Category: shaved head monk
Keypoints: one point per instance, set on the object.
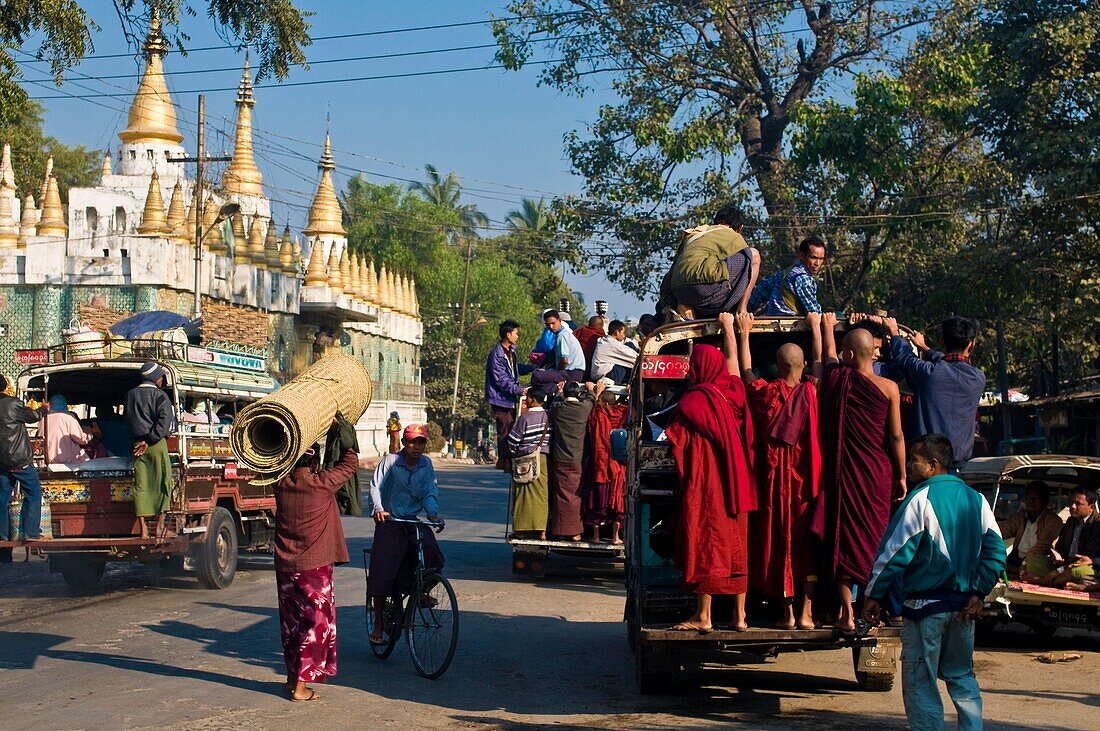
(864, 460)
(711, 436)
(788, 473)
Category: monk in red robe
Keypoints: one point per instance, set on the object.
(605, 498)
(710, 435)
(788, 473)
(864, 461)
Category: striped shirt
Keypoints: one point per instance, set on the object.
(530, 433)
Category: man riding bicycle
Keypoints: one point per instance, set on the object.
(403, 485)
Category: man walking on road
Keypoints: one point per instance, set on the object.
(944, 552)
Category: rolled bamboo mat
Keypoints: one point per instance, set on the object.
(270, 435)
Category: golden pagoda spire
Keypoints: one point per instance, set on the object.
(106, 169)
(257, 252)
(28, 221)
(52, 221)
(46, 180)
(371, 284)
(177, 216)
(9, 228)
(335, 275)
(153, 220)
(241, 254)
(345, 272)
(214, 238)
(271, 247)
(398, 294)
(357, 277)
(286, 253)
(7, 172)
(242, 177)
(324, 212)
(415, 298)
(299, 263)
(152, 116)
(316, 272)
(189, 221)
(385, 289)
(406, 296)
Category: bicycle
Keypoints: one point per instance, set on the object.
(426, 610)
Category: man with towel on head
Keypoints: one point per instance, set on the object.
(151, 418)
(864, 461)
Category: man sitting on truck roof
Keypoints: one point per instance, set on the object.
(1077, 552)
(792, 292)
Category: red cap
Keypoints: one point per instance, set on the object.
(415, 431)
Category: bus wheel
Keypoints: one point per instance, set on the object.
(82, 575)
(217, 555)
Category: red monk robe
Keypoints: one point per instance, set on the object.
(710, 434)
(856, 474)
(604, 500)
(788, 473)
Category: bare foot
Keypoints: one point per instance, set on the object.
(739, 626)
(785, 624)
(692, 626)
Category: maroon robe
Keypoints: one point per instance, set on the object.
(605, 499)
(788, 472)
(710, 434)
(857, 478)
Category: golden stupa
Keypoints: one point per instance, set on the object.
(316, 272)
(52, 221)
(324, 212)
(153, 219)
(242, 177)
(256, 253)
(152, 116)
(28, 221)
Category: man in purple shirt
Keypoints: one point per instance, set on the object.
(502, 387)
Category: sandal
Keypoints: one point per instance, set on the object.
(311, 697)
(377, 642)
(692, 627)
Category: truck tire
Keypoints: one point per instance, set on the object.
(217, 555)
(871, 682)
(82, 575)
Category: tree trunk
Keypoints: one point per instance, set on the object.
(762, 141)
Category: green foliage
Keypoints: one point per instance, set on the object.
(21, 127)
(275, 29)
(413, 236)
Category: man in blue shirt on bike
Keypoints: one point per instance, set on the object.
(403, 486)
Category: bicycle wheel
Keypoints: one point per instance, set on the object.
(431, 625)
(390, 632)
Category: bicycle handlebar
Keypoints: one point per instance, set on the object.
(439, 526)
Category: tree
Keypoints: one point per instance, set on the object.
(702, 86)
(445, 192)
(532, 216)
(21, 127)
(275, 29)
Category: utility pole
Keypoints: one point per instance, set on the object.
(199, 158)
(1002, 353)
(461, 334)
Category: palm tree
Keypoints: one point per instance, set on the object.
(532, 216)
(446, 192)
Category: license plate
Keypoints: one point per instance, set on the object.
(1079, 616)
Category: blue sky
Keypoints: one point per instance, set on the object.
(499, 131)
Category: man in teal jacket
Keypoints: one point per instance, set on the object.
(943, 550)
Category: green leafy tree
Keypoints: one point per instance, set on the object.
(62, 32)
(21, 127)
(703, 87)
(445, 192)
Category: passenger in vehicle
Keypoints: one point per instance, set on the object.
(114, 432)
(568, 420)
(614, 357)
(1074, 557)
(605, 492)
(714, 270)
(588, 335)
(947, 387)
(199, 419)
(710, 434)
(566, 361)
(151, 418)
(661, 398)
(531, 501)
(95, 448)
(864, 461)
(64, 437)
(788, 473)
(1035, 527)
(792, 292)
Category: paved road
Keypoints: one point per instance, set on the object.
(160, 652)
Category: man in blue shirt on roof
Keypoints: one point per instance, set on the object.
(793, 291)
(403, 486)
(567, 361)
(944, 552)
(946, 386)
